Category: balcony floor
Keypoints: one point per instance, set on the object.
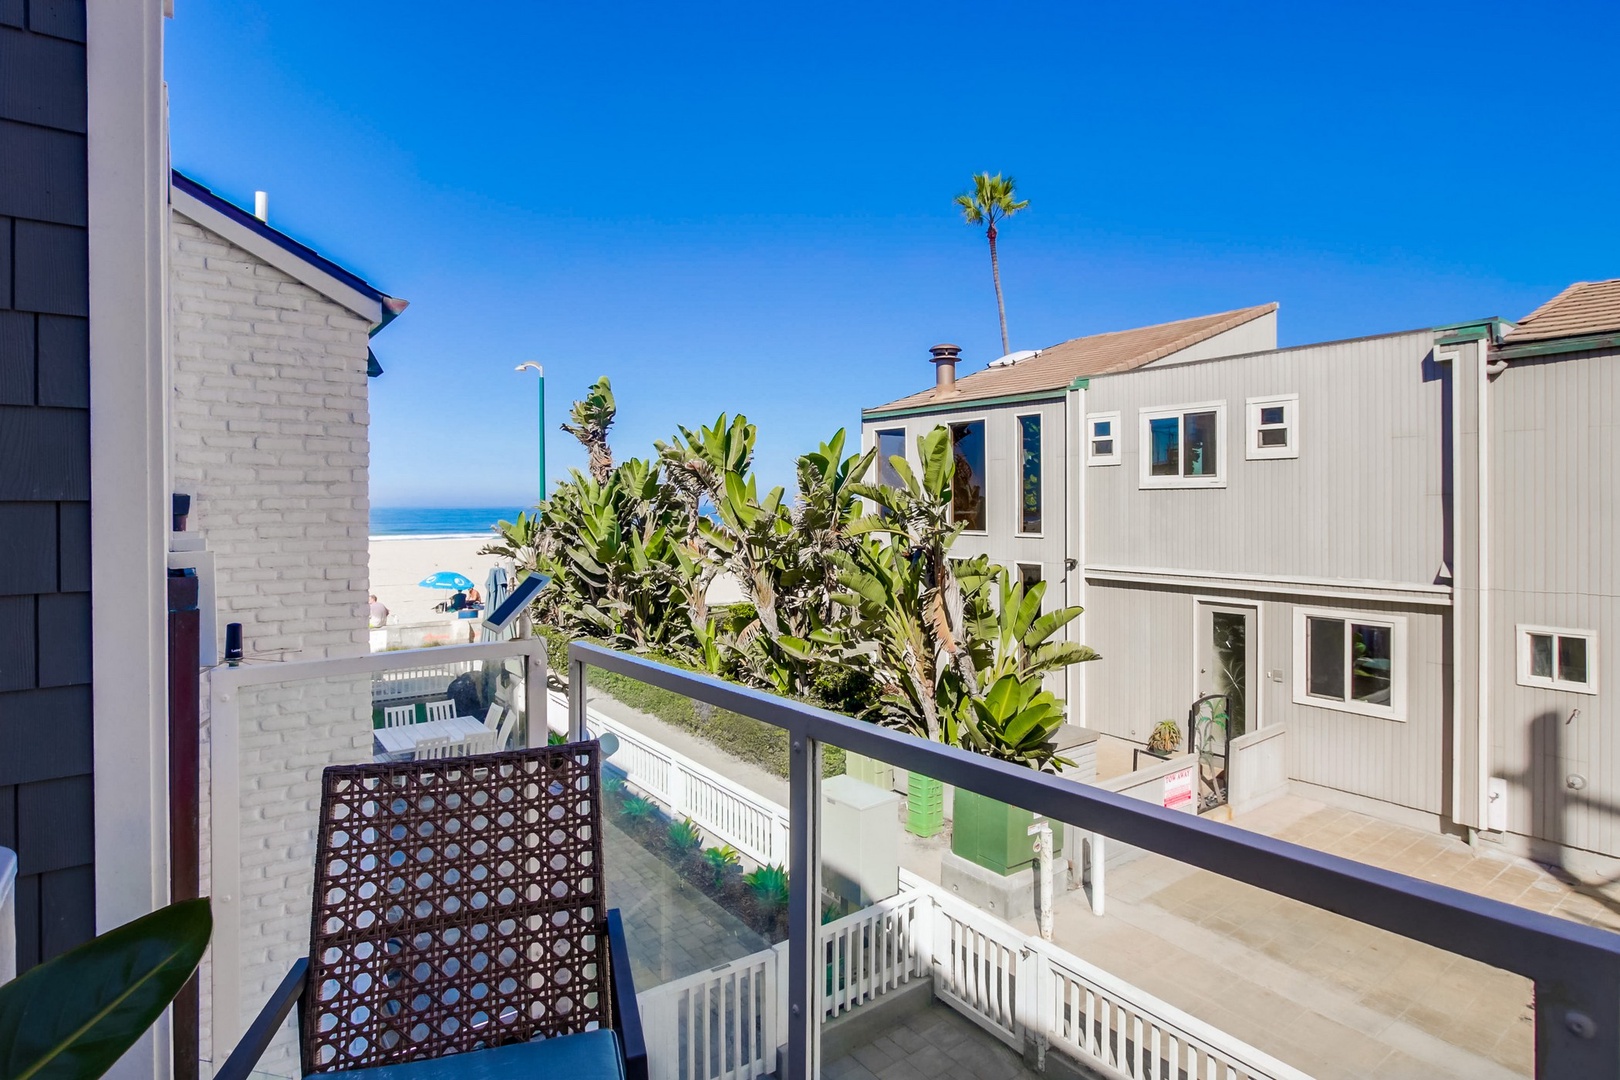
(935, 1043)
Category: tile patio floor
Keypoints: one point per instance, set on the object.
(672, 928)
(936, 1043)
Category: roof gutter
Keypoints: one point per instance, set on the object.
(1557, 346)
(1054, 394)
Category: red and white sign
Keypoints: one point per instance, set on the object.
(1178, 789)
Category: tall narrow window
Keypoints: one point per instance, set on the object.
(967, 486)
(1558, 659)
(1183, 447)
(890, 444)
(1029, 453)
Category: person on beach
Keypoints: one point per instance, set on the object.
(379, 612)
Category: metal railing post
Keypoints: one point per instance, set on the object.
(804, 908)
(577, 669)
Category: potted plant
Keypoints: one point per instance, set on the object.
(1165, 739)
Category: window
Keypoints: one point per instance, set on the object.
(1029, 576)
(967, 486)
(1182, 447)
(1029, 456)
(1351, 662)
(1273, 427)
(890, 444)
(1103, 443)
(1558, 659)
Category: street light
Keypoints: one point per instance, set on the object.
(540, 371)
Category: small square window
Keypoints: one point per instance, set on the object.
(1558, 659)
(1102, 439)
(1273, 426)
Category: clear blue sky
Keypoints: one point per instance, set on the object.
(731, 206)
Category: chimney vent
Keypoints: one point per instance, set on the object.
(944, 359)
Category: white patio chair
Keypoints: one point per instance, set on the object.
(441, 710)
(505, 729)
(399, 715)
(442, 747)
(477, 744)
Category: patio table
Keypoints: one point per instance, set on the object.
(402, 740)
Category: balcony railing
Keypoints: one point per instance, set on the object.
(1012, 984)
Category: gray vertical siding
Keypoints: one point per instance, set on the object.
(45, 734)
(1554, 512)
(1146, 637)
(1369, 469)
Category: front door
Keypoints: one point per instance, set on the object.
(1223, 708)
(1226, 661)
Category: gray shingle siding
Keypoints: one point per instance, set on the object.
(46, 787)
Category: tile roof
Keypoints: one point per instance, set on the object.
(1586, 307)
(1100, 354)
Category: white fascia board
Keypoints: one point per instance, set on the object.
(275, 255)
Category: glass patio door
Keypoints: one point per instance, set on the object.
(1226, 660)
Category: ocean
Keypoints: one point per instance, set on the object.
(439, 521)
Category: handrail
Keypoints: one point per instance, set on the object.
(1576, 968)
(8, 915)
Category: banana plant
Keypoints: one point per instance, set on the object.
(1016, 637)
(1015, 720)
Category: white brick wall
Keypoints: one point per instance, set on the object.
(268, 435)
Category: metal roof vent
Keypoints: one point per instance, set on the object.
(1015, 358)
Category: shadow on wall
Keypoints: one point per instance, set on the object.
(1546, 783)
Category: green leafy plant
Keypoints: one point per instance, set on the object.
(1166, 737)
(684, 836)
(769, 885)
(76, 1015)
(1016, 720)
(721, 861)
(638, 809)
(613, 785)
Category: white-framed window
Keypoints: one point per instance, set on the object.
(1351, 661)
(1102, 438)
(1558, 659)
(1273, 427)
(1029, 474)
(1184, 446)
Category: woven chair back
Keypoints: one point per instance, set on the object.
(458, 905)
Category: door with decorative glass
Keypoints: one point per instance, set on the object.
(1225, 662)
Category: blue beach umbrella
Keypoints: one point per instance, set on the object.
(446, 579)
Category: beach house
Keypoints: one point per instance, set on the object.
(1383, 553)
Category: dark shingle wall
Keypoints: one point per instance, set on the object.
(45, 731)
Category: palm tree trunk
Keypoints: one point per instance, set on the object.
(1001, 307)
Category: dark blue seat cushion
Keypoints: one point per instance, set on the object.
(588, 1056)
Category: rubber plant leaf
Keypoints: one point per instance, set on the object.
(75, 1016)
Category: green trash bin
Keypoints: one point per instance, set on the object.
(925, 805)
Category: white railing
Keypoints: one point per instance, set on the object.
(872, 951)
(976, 965)
(722, 1024)
(416, 682)
(727, 812)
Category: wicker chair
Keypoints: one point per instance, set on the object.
(459, 928)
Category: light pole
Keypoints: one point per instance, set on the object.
(540, 371)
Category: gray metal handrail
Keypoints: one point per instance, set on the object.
(8, 914)
(1575, 968)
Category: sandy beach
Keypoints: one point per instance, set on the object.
(399, 562)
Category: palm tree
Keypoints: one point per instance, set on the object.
(592, 417)
(992, 199)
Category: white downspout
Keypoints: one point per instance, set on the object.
(1074, 501)
(1487, 371)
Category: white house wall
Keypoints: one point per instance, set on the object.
(1554, 517)
(1256, 335)
(1364, 500)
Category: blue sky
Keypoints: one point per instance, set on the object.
(741, 207)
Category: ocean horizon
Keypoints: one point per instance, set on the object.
(439, 520)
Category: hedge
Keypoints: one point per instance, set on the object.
(740, 736)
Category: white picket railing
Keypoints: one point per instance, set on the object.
(416, 682)
(874, 950)
(722, 1024)
(976, 964)
(727, 812)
